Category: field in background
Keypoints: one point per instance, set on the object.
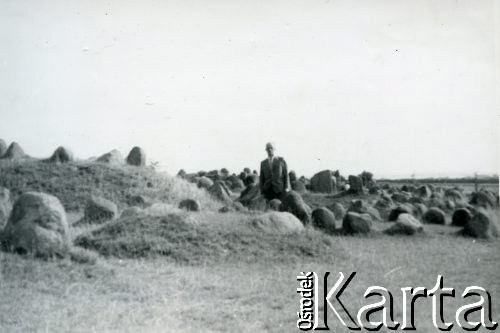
(251, 290)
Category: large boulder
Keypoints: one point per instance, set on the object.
(275, 205)
(299, 187)
(355, 184)
(338, 210)
(484, 224)
(384, 205)
(3, 147)
(400, 209)
(258, 203)
(435, 201)
(355, 223)
(434, 216)
(61, 155)
(483, 199)
(235, 183)
(251, 179)
(400, 197)
(220, 192)
(99, 210)
(323, 219)
(5, 206)
(454, 194)
(406, 224)
(137, 157)
(37, 225)
(277, 222)
(420, 210)
(361, 207)
(138, 200)
(114, 157)
(190, 205)
(251, 192)
(14, 152)
(461, 217)
(205, 182)
(292, 202)
(423, 191)
(324, 182)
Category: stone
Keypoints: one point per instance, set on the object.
(355, 223)
(61, 155)
(434, 216)
(384, 206)
(483, 199)
(99, 210)
(423, 191)
(137, 157)
(114, 157)
(275, 205)
(355, 184)
(324, 219)
(420, 210)
(361, 207)
(400, 209)
(400, 197)
(204, 182)
(298, 187)
(14, 152)
(219, 191)
(37, 225)
(5, 206)
(258, 203)
(251, 192)
(235, 184)
(406, 224)
(132, 212)
(292, 202)
(454, 195)
(461, 217)
(338, 210)
(3, 148)
(251, 179)
(484, 224)
(323, 182)
(415, 200)
(190, 205)
(436, 202)
(277, 222)
(138, 201)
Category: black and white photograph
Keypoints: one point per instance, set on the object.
(249, 165)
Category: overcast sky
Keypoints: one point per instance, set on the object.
(393, 87)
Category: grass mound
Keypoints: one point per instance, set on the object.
(183, 240)
(73, 183)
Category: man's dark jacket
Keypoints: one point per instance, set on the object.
(275, 177)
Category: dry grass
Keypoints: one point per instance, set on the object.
(73, 183)
(156, 295)
(214, 275)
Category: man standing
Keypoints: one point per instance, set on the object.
(273, 175)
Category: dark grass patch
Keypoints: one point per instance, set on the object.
(182, 241)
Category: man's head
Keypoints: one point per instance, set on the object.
(270, 149)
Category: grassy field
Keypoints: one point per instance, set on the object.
(246, 281)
